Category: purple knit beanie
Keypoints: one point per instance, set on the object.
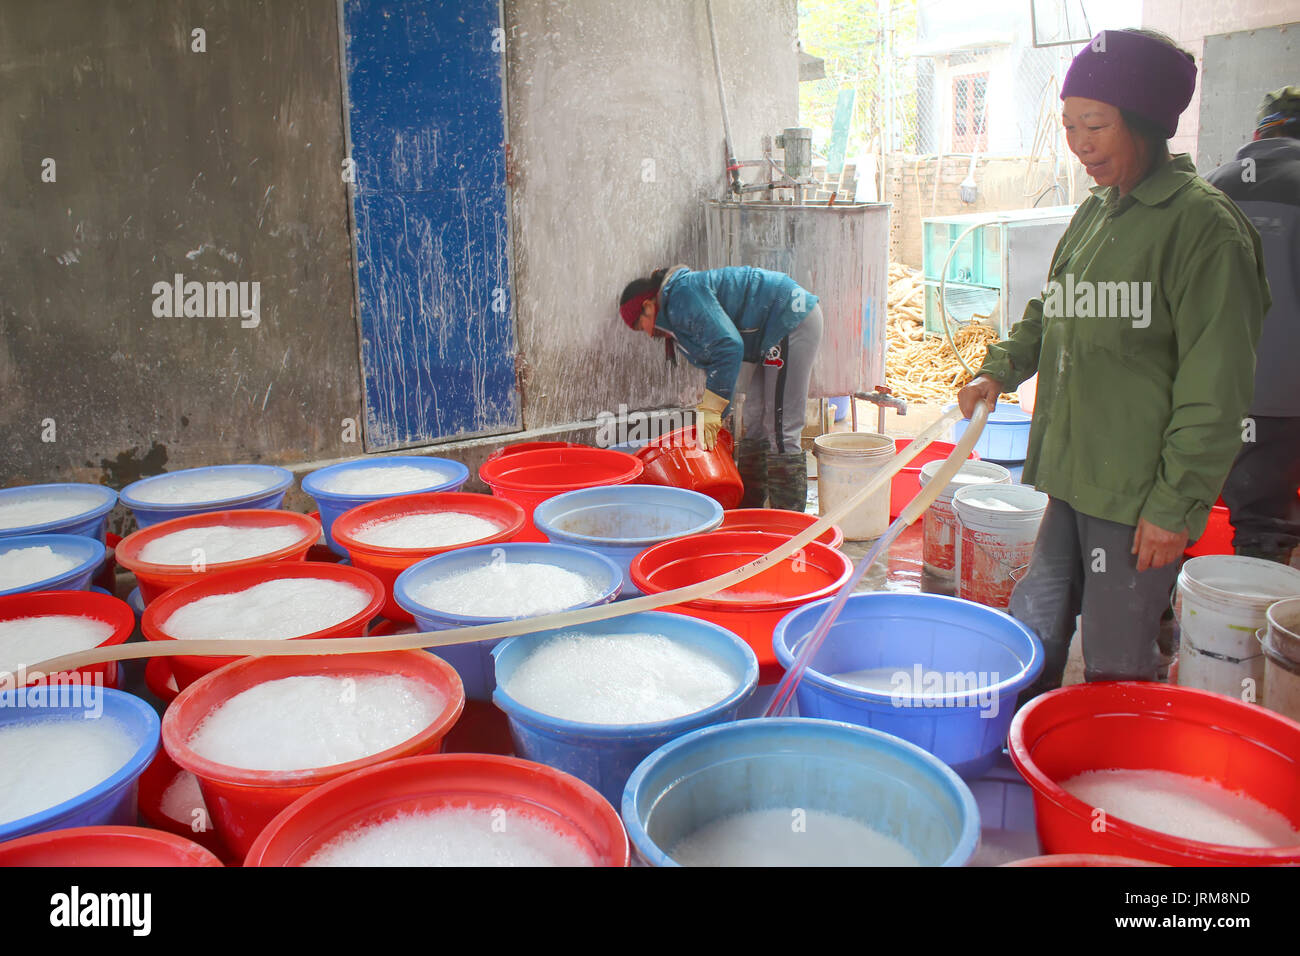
(1135, 73)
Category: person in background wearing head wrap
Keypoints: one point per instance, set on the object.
(1144, 345)
(754, 332)
(1264, 180)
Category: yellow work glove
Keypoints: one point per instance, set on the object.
(708, 419)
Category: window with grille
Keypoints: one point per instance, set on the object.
(969, 112)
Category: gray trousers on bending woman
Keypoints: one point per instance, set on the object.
(1085, 565)
(770, 455)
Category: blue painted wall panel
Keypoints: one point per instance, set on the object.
(427, 130)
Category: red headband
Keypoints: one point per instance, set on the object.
(631, 309)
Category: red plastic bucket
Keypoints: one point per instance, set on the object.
(155, 780)
(101, 607)
(1217, 537)
(1151, 726)
(778, 521)
(674, 460)
(753, 608)
(519, 446)
(156, 579)
(243, 801)
(906, 483)
(1079, 859)
(422, 784)
(387, 563)
(530, 477)
(104, 847)
(160, 680)
(189, 668)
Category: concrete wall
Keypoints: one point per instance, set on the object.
(1189, 22)
(616, 137)
(220, 165)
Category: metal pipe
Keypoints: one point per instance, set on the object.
(732, 168)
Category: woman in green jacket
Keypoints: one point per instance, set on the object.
(1143, 342)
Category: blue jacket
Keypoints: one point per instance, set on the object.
(722, 317)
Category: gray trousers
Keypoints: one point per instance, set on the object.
(776, 396)
(1085, 565)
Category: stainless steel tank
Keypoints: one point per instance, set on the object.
(840, 254)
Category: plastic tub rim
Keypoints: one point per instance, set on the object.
(470, 620)
(187, 758)
(1230, 597)
(1028, 672)
(281, 484)
(132, 563)
(544, 524)
(1046, 788)
(737, 605)
(134, 766)
(966, 842)
(86, 566)
(46, 527)
(350, 543)
(559, 726)
(626, 476)
(122, 630)
(197, 854)
(309, 480)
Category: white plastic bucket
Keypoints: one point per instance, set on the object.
(939, 524)
(996, 544)
(845, 462)
(1222, 601)
(1281, 645)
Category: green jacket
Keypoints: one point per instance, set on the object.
(1144, 345)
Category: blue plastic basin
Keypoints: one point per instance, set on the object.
(604, 755)
(111, 802)
(276, 482)
(474, 661)
(92, 523)
(447, 475)
(1005, 437)
(88, 553)
(621, 521)
(981, 658)
(885, 783)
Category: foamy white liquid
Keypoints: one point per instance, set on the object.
(22, 566)
(996, 504)
(508, 589)
(45, 508)
(197, 489)
(274, 610)
(1183, 806)
(619, 679)
(26, 640)
(773, 838)
(459, 837)
(182, 797)
(297, 723)
(217, 543)
(377, 480)
(45, 762)
(435, 530)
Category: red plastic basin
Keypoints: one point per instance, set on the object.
(101, 607)
(160, 680)
(1079, 859)
(906, 483)
(157, 579)
(1149, 726)
(1217, 537)
(675, 460)
(155, 780)
(519, 446)
(242, 801)
(530, 477)
(424, 784)
(387, 563)
(189, 668)
(753, 608)
(105, 847)
(778, 521)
